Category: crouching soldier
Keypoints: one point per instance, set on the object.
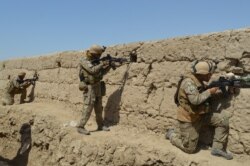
(193, 112)
(91, 72)
(16, 86)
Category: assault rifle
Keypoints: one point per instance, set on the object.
(223, 83)
(32, 80)
(108, 57)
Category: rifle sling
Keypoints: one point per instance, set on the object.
(177, 91)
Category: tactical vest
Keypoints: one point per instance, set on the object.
(88, 78)
(186, 111)
(10, 88)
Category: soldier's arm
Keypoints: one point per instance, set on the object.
(91, 69)
(25, 84)
(15, 83)
(194, 96)
(20, 85)
(106, 70)
(113, 64)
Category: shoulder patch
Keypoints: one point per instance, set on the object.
(189, 87)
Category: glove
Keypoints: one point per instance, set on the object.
(83, 87)
(113, 64)
(230, 76)
(213, 90)
(105, 63)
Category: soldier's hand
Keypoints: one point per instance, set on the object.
(230, 76)
(105, 63)
(213, 90)
(113, 64)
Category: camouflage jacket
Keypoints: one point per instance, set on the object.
(16, 84)
(192, 99)
(91, 73)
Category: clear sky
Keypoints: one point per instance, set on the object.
(37, 27)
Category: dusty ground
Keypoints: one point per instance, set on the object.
(56, 142)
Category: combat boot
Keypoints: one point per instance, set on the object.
(221, 153)
(82, 130)
(169, 133)
(103, 128)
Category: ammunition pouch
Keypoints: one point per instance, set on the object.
(83, 86)
(204, 108)
(103, 88)
(10, 88)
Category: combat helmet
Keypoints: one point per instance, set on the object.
(96, 49)
(21, 74)
(203, 67)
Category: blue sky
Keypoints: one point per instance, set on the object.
(37, 27)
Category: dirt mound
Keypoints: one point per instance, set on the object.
(56, 142)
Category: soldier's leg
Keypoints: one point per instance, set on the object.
(88, 105)
(23, 95)
(187, 137)
(98, 111)
(221, 124)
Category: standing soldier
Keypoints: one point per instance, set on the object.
(91, 72)
(16, 86)
(193, 111)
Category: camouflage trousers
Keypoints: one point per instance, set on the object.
(8, 98)
(187, 137)
(92, 100)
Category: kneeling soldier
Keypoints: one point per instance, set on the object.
(193, 112)
(16, 86)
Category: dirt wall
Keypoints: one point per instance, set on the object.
(141, 94)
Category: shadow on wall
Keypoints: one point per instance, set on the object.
(112, 108)
(22, 156)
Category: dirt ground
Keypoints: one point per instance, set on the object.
(56, 142)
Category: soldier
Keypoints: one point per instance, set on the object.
(16, 86)
(193, 111)
(93, 88)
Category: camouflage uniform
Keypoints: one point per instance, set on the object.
(92, 95)
(15, 86)
(193, 113)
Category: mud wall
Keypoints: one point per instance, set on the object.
(141, 94)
